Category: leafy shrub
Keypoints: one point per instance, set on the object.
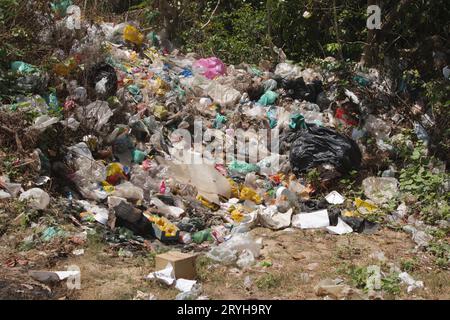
(422, 177)
(235, 36)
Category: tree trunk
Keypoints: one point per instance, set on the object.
(336, 30)
(269, 18)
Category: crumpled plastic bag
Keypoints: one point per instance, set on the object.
(210, 67)
(268, 98)
(377, 128)
(128, 191)
(43, 122)
(410, 282)
(288, 71)
(103, 78)
(224, 95)
(89, 172)
(270, 218)
(208, 181)
(380, 189)
(132, 34)
(37, 198)
(246, 259)
(317, 146)
(23, 67)
(169, 211)
(228, 251)
(97, 112)
(242, 167)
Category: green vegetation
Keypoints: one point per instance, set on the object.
(359, 276)
(441, 250)
(268, 281)
(423, 177)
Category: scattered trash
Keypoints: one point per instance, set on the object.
(335, 197)
(340, 228)
(380, 189)
(51, 232)
(78, 252)
(36, 198)
(144, 296)
(228, 251)
(190, 289)
(108, 136)
(183, 264)
(313, 220)
(410, 282)
(53, 276)
(335, 289)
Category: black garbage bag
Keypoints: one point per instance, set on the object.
(316, 146)
(333, 216)
(298, 89)
(360, 225)
(103, 80)
(313, 205)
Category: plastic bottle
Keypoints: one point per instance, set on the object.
(185, 237)
(202, 236)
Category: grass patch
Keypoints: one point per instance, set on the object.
(203, 267)
(409, 265)
(441, 250)
(269, 281)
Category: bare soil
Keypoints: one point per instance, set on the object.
(296, 260)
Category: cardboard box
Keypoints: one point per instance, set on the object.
(183, 263)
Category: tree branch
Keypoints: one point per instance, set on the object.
(212, 14)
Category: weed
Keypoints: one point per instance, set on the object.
(313, 177)
(441, 250)
(422, 178)
(268, 281)
(358, 276)
(202, 267)
(409, 265)
(391, 284)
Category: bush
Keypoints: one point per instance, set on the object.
(232, 36)
(20, 23)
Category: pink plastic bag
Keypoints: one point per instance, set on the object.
(210, 67)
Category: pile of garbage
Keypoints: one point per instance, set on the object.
(169, 145)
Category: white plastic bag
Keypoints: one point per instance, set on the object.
(228, 251)
(128, 191)
(37, 198)
(223, 95)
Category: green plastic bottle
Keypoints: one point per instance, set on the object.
(202, 236)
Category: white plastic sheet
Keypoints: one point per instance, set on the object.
(316, 219)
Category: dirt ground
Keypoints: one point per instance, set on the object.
(292, 263)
